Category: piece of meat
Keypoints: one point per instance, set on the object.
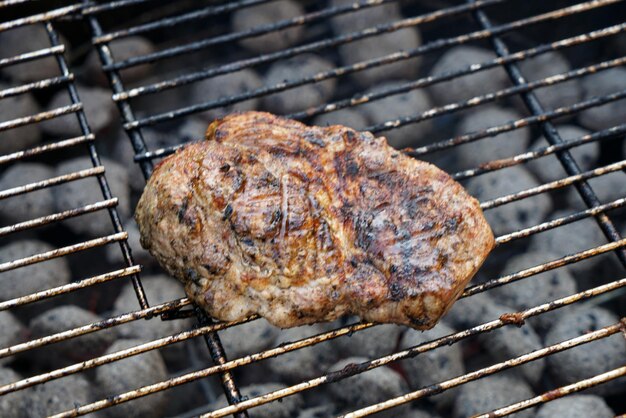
(304, 224)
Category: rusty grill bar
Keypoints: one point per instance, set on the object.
(144, 156)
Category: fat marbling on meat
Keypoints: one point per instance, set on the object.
(304, 224)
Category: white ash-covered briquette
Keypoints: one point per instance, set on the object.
(289, 366)
(12, 404)
(64, 318)
(376, 46)
(509, 342)
(576, 406)
(24, 137)
(25, 39)
(537, 289)
(320, 411)
(120, 150)
(57, 396)
(373, 342)
(504, 343)
(505, 145)
(546, 65)
(159, 289)
(601, 84)
(433, 366)
(32, 278)
(11, 332)
(129, 374)
(303, 97)
(78, 193)
(492, 392)
(248, 338)
(411, 103)
(515, 215)
(367, 388)
(363, 18)
(347, 117)
(417, 413)
(223, 86)
(589, 359)
(549, 168)
(285, 408)
(140, 256)
(158, 138)
(250, 18)
(192, 129)
(570, 239)
(29, 205)
(98, 106)
(121, 49)
(474, 310)
(467, 86)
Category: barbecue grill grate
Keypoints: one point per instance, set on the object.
(176, 64)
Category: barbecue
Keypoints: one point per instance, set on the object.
(521, 102)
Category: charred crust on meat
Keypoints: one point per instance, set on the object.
(349, 136)
(228, 211)
(193, 276)
(396, 291)
(352, 168)
(314, 139)
(182, 210)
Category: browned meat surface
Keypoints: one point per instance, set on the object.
(304, 224)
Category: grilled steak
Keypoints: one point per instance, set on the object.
(304, 224)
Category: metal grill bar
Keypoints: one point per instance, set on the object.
(457, 381)
(335, 376)
(95, 160)
(31, 56)
(557, 393)
(46, 220)
(65, 178)
(60, 252)
(6, 3)
(70, 287)
(36, 85)
(49, 114)
(553, 185)
(46, 148)
(523, 233)
(340, 71)
(177, 20)
(553, 137)
(41, 17)
(95, 326)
